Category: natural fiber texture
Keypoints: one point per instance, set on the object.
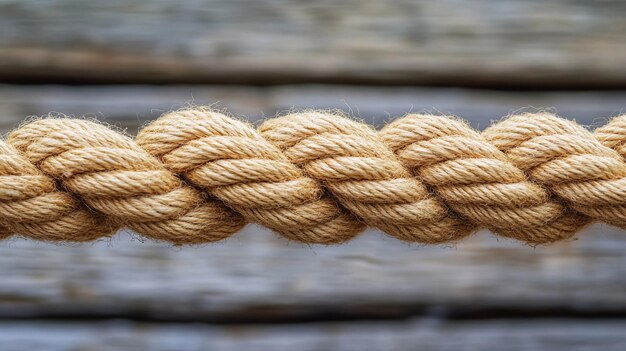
(196, 175)
(112, 175)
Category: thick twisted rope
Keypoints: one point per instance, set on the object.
(196, 176)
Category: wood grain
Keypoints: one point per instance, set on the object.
(422, 334)
(257, 276)
(506, 43)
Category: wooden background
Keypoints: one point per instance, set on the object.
(126, 62)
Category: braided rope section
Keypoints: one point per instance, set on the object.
(196, 176)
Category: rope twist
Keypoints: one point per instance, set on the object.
(196, 176)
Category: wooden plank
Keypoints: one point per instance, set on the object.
(429, 335)
(538, 44)
(132, 106)
(255, 275)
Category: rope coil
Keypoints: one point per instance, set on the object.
(196, 176)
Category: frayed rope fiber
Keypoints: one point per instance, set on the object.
(196, 176)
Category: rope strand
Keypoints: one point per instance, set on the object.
(196, 175)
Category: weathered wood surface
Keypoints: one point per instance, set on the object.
(427, 335)
(257, 276)
(537, 44)
(132, 106)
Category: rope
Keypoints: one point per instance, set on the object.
(196, 176)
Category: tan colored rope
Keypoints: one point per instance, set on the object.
(196, 175)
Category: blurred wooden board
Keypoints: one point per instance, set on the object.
(257, 276)
(132, 106)
(506, 43)
(428, 335)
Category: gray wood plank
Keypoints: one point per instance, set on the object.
(502, 42)
(132, 106)
(257, 275)
(422, 334)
